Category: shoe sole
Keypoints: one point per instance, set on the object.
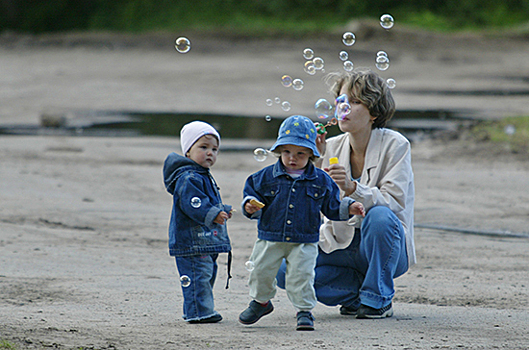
(248, 323)
(388, 313)
(304, 328)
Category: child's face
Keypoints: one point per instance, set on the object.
(295, 157)
(204, 151)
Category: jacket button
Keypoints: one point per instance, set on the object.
(272, 192)
(315, 195)
(291, 206)
(293, 190)
(288, 238)
(289, 222)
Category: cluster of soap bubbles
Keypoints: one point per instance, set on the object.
(312, 64)
(287, 81)
(285, 105)
(348, 39)
(382, 60)
(182, 44)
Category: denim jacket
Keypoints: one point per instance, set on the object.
(293, 205)
(196, 203)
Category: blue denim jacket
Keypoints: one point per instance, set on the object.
(293, 205)
(196, 203)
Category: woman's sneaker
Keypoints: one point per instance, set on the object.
(368, 312)
(254, 312)
(305, 321)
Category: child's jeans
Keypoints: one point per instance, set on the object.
(363, 272)
(198, 296)
(300, 258)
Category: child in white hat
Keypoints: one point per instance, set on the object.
(197, 229)
(287, 198)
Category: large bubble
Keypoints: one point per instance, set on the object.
(260, 154)
(324, 109)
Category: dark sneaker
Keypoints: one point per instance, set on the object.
(212, 319)
(368, 312)
(348, 310)
(254, 312)
(305, 321)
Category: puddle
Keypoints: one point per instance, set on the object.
(131, 124)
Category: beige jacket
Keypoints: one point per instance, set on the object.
(387, 180)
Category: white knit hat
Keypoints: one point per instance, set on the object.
(191, 132)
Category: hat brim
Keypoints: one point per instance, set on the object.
(296, 141)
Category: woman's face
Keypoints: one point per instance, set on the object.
(359, 120)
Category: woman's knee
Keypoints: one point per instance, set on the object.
(379, 218)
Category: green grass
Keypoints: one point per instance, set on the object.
(4, 344)
(511, 133)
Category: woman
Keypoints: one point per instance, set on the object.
(359, 259)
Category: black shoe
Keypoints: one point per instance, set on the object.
(212, 319)
(305, 321)
(368, 312)
(254, 312)
(348, 310)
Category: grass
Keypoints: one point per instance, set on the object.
(4, 344)
(510, 133)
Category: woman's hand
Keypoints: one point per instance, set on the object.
(338, 174)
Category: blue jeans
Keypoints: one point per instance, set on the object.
(363, 272)
(198, 296)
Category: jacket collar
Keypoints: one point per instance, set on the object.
(309, 174)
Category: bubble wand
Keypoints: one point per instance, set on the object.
(321, 128)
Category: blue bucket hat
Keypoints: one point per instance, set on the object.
(297, 130)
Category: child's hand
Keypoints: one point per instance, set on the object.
(251, 208)
(357, 208)
(223, 216)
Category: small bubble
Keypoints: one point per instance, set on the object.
(509, 129)
(348, 38)
(387, 21)
(269, 102)
(348, 66)
(285, 106)
(182, 45)
(277, 100)
(260, 154)
(249, 265)
(298, 84)
(382, 62)
(196, 202)
(391, 83)
(344, 55)
(324, 108)
(286, 81)
(382, 53)
(318, 63)
(268, 118)
(185, 281)
(308, 53)
(309, 67)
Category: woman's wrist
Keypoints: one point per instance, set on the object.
(351, 190)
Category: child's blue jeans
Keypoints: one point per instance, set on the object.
(363, 272)
(198, 295)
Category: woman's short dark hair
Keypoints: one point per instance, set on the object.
(370, 89)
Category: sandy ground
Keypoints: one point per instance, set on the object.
(83, 220)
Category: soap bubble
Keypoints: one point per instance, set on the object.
(309, 68)
(260, 154)
(323, 108)
(268, 118)
(285, 106)
(382, 62)
(348, 66)
(387, 21)
(391, 83)
(269, 102)
(286, 81)
(308, 53)
(382, 53)
(182, 45)
(344, 55)
(196, 202)
(509, 129)
(249, 265)
(343, 107)
(318, 63)
(185, 281)
(277, 100)
(348, 38)
(297, 84)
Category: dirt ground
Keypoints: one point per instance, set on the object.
(83, 221)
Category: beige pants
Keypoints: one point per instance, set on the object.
(301, 260)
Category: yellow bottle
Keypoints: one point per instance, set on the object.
(333, 160)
